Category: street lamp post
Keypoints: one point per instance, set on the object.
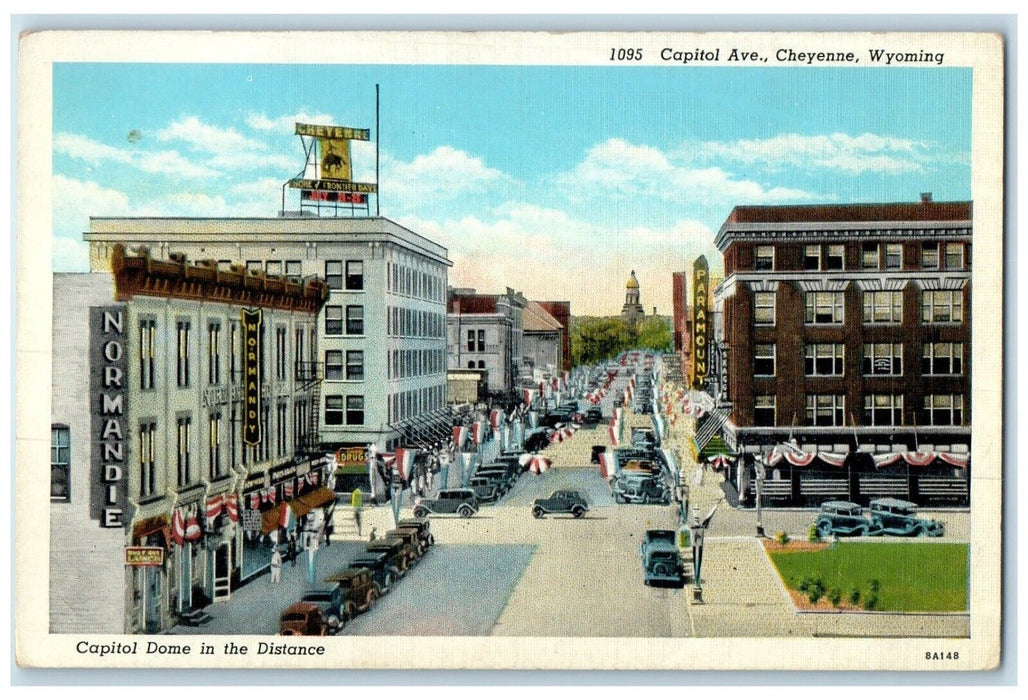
(758, 466)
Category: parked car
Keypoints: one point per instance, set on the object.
(330, 600)
(644, 466)
(537, 441)
(892, 516)
(506, 473)
(449, 501)
(486, 489)
(423, 526)
(644, 439)
(593, 416)
(303, 619)
(359, 591)
(597, 451)
(661, 561)
(640, 487)
(560, 502)
(380, 564)
(841, 518)
(412, 548)
(396, 551)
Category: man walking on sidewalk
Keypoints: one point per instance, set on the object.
(276, 566)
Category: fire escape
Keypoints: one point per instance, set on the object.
(309, 376)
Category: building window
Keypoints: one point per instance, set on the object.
(883, 409)
(333, 320)
(824, 360)
(826, 409)
(147, 341)
(764, 308)
(481, 364)
(883, 307)
(214, 448)
(836, 259)
(764, 360)
(893, 256)
(355, 365)
(147, 463)
(764, 410)
(481, 340)
(942, 306)
(254, 267)
(869, 256)
(355, 320)
(471, 341)
(234, 351)
(824, 307)
(214, 354)
(334, 410)
(354, 275)
(281, 356)
(281, 409)
(274, 268)
(60, 463)
(471, 364)
(265, 443)
(943, 358)
(185, 473)
(183, 353)
(299, 349)
(355, 410)
(765, 258)
(294, 270)
(334, 274)
(930, 256)
(944, 409)
(811, 257)
(333, 364)
(883, 359)
(954, 256)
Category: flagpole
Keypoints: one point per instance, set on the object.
(378, 138)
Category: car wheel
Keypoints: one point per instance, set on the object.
(420, 511)
(618, 498)
(351, 610)
(465, 511)
(578, 511)
(537, 512)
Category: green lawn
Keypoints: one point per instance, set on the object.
(914, 576)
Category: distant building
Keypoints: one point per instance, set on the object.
(543, 347)
(848, 324)
(484, 331)
(561, 312)
(632, 312)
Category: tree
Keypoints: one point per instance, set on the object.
(596, 339)
(653, 333)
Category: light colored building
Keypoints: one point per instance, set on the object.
(160, 382)
(632, 311)
(485, 331)
(543, 341)
(381, 346)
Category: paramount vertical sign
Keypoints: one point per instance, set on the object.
(700, 320)
(252, 351)
(107, 388)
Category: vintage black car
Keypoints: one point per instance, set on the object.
(593, 416)
(380, 564)
(359, 591)
(640, 487)
(841, 518)
(423, 526)
(486, 488)
(538, 440)
(597, 450)
(330, 600)
(560, 502)
(662, 564)
(461, 502)
(891, 516)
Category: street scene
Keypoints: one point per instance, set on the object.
(381, 367)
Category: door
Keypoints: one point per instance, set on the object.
(222, 573)
(152, 599)
(185, 579)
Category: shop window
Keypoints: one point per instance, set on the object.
(355, 410)
(60, 463)
(883, 359)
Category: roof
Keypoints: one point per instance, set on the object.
(536, 318)
(473, 304)
(813, 213)
(632, 282)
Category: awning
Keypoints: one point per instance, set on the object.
(302, 505)
(270, 519)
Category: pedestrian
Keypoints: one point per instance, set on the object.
(276, 566)
(357, 520)
(291, 552)
(374, 534)
(329, 529)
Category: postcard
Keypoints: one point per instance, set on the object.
(511, 350)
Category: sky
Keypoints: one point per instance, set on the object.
(557, 181)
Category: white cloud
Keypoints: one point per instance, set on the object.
(444, 174)
(155, 162)
(839, 152)
(548, 255)
(207, 138)
(286, 123)
(617, 167)
(74, 202)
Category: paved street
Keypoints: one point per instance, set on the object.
(503, 572)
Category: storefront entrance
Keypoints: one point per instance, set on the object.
(222, 569)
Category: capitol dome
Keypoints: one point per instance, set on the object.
(632, 282)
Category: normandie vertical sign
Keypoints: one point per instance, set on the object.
(252, 351)
(700, 320)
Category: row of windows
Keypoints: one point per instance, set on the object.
(414, 323)
(347, 320)
(873, 256)
(937, 306)
(187, 472)
(886, 359)
(401, 279)
(476, 340)
(348, 275)
(148, 352)
(402, 364)
(879, 410)
(273, 268)
(415, 402)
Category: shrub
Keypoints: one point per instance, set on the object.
(805, 584)
(813, 534)
(854, 595)
(835, 596)
(816, 591)
(875, 585)
(781, 537)
(872, 602)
